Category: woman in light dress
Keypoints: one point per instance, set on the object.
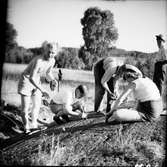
(30, 87)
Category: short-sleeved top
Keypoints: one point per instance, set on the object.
(110, 66)
(44, 67)
(146, 90)
(66, 97)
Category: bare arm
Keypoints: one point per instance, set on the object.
(106, 77)
(69, 108)
(123, 96)
(68, 101)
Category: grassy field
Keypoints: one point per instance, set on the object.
(88, 142)
(13, 71)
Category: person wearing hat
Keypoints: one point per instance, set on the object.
(30, 87)
(146, 93)
(160, 70)
(161, 53)
(67, 103)
(106, 73)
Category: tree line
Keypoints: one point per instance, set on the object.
(98, 30)
(99, 35)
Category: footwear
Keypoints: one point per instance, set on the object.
(164, 112)
(27, 131)
(107, 116)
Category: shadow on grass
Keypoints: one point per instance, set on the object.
(53, 128)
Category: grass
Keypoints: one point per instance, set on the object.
(98, 145)
(13, 71)
(116, 145)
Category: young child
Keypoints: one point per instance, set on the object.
(67, 103)
(29, 86)
(149, 101)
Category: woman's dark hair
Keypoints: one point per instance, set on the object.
(130, 75)
(82, 89)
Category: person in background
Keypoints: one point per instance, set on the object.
(67, 104)
(160, 70)
(106, 73)
(160, 44)
(30, 87)
(145, 92)
(60, 75)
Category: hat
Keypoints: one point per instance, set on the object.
(160, 36)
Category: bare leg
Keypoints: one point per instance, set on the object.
(122, 115)
(25, 101)
(36, 100)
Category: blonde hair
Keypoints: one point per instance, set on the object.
(50, 45)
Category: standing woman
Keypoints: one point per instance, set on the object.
(106, 73)
(30, 87)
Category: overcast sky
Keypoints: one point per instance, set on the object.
(59, 20)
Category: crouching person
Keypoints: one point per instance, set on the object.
(146, 92)
(67, 104)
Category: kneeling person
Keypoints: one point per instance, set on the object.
(68, 104)
(146, 92)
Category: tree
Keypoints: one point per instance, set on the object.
(98, 33)
(11, 35)
(68, 58)
(10, 40)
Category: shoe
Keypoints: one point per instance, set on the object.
(164, 112)
(26, 131)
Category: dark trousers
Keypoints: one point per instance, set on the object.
(99, 89)
(160, 79)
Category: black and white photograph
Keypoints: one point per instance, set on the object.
(84, 83)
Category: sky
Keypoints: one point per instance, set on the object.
(137, 21)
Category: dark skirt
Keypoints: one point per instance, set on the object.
(150, 110)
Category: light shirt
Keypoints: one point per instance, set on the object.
(146, 90)
(65, 96)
